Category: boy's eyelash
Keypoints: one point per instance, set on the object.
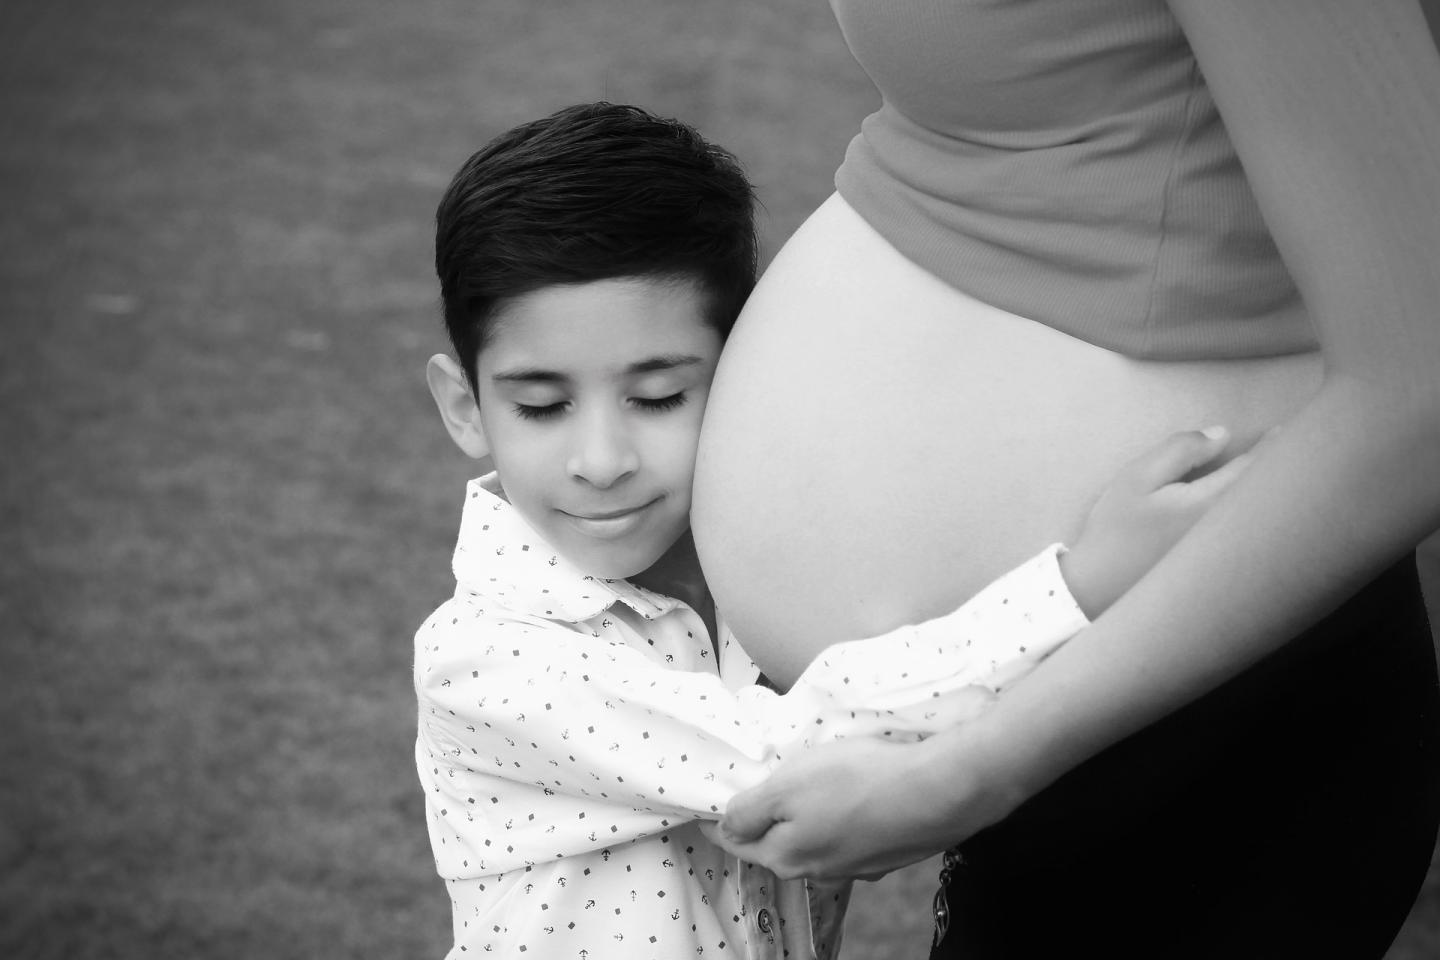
(550, 410)
(528, 412)
(661, 403)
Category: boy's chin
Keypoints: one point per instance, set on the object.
(611, 567)
(653, 562)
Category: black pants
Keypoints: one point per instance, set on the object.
(1289, 813)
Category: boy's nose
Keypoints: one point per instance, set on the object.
(603, 454)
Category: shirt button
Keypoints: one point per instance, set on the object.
(762, 920)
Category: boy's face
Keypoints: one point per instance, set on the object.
(590, 398)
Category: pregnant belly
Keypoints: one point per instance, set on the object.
(879, 446)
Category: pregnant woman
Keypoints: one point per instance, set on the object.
(1070, 229)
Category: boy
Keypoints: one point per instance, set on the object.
(575, 717)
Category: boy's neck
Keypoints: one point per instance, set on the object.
(677, 574)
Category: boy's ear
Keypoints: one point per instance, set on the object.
(457, 405)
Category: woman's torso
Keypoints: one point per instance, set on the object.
(879, 445)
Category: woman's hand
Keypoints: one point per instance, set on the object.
(831, 812)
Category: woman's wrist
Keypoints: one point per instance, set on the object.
(966, 777)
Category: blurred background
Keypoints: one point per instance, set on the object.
(225, 504)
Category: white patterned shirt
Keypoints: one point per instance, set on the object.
(572, 730)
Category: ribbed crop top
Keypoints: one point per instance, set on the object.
(1064, 161)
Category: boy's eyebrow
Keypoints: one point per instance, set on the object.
(668, 361)
(529, 375)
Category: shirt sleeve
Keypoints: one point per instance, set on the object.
(926, 677)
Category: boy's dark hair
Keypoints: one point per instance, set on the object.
(596, 191)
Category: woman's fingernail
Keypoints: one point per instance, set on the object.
(1215, 433)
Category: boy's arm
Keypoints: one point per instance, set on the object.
(930, 676)
(924, 677)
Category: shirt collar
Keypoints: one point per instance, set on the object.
(499, 556)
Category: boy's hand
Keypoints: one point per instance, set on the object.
(1143, 513)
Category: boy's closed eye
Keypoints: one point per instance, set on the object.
(539, 401)
(547, 411)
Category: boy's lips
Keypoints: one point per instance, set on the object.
(608, 524)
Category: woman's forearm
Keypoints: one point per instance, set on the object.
(1349, 485)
